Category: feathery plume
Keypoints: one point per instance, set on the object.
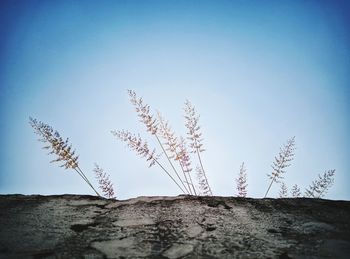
(283, 191)
(282, 161)
(296, 191)
(194, 135)
(165, 131)
(320, 186)
(143, 112)
(241, 182)
(137, 144)
(104, 182)
(59, 147)
(55, 142)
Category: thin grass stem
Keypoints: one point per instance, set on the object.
(268, 189)
(169, 175)
(160, 143)
(86, 179)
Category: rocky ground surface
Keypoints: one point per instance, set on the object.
(74, 226)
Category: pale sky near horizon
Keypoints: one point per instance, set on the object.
(258, 72)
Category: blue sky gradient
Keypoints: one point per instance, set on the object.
(258, 72)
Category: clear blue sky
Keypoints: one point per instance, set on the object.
(259, 72)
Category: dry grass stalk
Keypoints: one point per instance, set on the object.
(151, 123)
(177, 151)
(283, 191)
(320, 186)
(241, 182)
(141, 147)
(195, 137)
(104, 182)
(296, 191)
(59, 147)
(185, 161)
(282, 161)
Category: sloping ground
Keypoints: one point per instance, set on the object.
(72, 226)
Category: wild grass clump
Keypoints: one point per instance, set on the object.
(178, 155)
(282, 161)
(65, 154)
(317, 189)
(174, 148)
(179, 152)
(59, 147)
(320, 186)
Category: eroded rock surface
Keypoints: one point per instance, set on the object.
(73, 226)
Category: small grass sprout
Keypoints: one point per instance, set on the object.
(202, 182)
(295, 191)
(105, 184)
(241, 182)
(283, 193)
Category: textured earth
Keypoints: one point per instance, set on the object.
(75, 226)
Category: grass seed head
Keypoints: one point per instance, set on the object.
(143, 112)
(193, 129)
(135, 143)
(55, 143)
